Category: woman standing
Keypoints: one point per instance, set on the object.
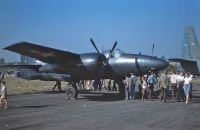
(187, 87)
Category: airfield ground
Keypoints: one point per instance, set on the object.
(98, 111)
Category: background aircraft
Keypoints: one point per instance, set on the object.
(190, 57)
(57, 65)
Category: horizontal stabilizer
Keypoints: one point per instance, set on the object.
(187, 65)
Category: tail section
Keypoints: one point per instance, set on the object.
(191, 47)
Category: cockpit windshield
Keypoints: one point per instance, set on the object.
(116, 53)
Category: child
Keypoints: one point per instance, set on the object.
(144, 88)
(3, 97)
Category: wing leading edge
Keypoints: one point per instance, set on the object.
(45, 54)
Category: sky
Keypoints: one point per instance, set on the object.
(69, 24)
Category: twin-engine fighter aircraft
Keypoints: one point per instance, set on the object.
(58, 65)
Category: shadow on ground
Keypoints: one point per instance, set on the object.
(33, 106)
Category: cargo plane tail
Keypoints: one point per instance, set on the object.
(190, 54)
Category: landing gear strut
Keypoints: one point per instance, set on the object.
(72, 91)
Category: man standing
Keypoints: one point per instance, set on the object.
(151, 82)
(180, 83)
(164, 83)
(173, 83)
(127, 83)
(133, 79)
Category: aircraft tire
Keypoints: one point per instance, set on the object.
(71, 92)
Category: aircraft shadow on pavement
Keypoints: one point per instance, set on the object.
(35, 106)
(53, 92)
(102, 96)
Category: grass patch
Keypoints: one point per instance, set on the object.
(19, 85)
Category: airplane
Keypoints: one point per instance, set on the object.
(57, 65)
(190, 57)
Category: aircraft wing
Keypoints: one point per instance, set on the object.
(187, 65)
(45, 54)
(17, 67)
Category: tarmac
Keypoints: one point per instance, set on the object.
(98, 111)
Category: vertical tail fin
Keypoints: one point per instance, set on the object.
(191, 48)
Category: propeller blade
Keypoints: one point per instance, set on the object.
(115, 44)
(94, 46)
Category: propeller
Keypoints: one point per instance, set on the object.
(103, 60)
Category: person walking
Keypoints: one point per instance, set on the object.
(3, 95)
(58, 84)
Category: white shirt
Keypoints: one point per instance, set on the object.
(173, 78)
(3, 89)
(180, 78)
(187, 80)
(144, 84)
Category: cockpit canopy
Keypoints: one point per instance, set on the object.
(115, 53)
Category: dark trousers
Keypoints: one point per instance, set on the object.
(174, 89)
(114, 87)
(190, 91)
(163, 94)
(180, 93)
(58, 84)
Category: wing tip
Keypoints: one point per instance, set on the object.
(14, 44)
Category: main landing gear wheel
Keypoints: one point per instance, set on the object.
(71, 92)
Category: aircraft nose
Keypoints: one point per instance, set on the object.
(146, 63)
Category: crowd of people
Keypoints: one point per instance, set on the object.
(171, 85)
(165, 86)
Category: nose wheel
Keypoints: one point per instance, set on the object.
(71, 92)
